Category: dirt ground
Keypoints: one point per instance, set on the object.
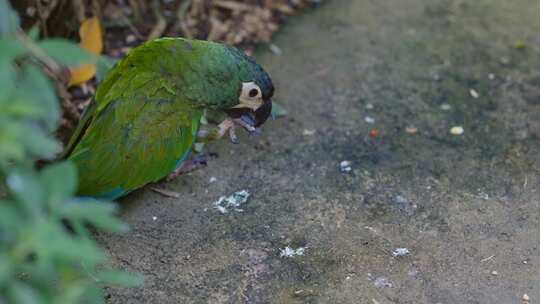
(379, 84)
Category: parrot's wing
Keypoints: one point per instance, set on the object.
(122, 77)
(137, 139)
(140, 126)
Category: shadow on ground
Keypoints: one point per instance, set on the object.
(465, 206)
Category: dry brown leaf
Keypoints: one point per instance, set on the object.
(235, 6)
(91, 41)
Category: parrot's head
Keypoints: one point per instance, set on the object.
(220, 78)
(254, 91)
(254, 103)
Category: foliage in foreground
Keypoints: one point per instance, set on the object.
(41, 260)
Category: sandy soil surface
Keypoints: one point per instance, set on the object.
(379, 84)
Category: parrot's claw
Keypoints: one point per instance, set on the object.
(232, 135)
(245, 124)
(229, 126)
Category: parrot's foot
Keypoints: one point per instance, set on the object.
(188, 166)
(229, 125)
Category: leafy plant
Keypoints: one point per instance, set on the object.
(47, 253)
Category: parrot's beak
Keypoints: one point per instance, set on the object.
(253, 119)
(262, 113)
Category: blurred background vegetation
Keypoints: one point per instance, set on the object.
(52, 55)
(47, 254)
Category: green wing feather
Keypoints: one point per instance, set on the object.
(133, 144)
(136, 132)
(121, 157)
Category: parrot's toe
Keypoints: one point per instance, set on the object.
(232, 135)
(246, 123)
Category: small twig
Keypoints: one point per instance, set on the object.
(80, 10)
(231, 5)
(216, 29)
(197, 8)
(97, 10)
(37, 52)
(44, 10)
(186, 30)
(487, 259)
(70, 109)
(130, 25)
(180, 16)
(136, 7)
(166, 193)
(161, 24)
(182, 10)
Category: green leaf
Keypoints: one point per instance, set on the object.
(93, 294)
(18, 106)
(38, 144)
(20, 139)
(103, 65)
(66, 52)
(10, 149)
(10, 49)
(26, 188)
(60, 180)
(278, 110)
(81, 293)
(33, 33)
(73, 293)
(39, 90)
(119, 278)
(21, 293)
(9, 21)
(98, 214)
(9, 217)
(8, 74)
(5, 269)
(52, 241)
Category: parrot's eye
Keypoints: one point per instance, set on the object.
(253, 93)
(250, 90)
(250, 96)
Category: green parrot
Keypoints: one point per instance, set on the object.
(146, 113)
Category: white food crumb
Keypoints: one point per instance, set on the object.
(275, 49)
(474, 93)
(233, 201)
(288, 252)
(446, 107)
(308, 132)
(457, 130)
(382, 282)
(345, 166)
(399, 252)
